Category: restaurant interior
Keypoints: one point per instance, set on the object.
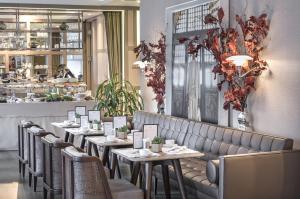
(184, 99)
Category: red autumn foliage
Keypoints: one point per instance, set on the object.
(225, 42)
(155, 72)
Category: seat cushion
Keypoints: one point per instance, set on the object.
(194, 176)
(124, 189)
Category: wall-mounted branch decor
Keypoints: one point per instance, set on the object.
(237, 54)
(154, 55)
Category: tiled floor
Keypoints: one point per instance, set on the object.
(12, 186)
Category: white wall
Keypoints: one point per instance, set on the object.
(275, 106)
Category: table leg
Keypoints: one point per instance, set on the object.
(71, 138)
(166, 180)
(178, 172)
(67, 136)
(135, 172)
(113, 166)
(89, 148)
(82, 143)
(148, 179)
(105, 156)
(96, 150)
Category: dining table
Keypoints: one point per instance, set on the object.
(170, 156)
(73, 130)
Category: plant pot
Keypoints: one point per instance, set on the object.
(156, 148)
(77, 120)
(122, 135)
(90, 125)
(96, 126)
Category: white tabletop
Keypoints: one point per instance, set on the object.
(63, 125)
(79, 131)
(101, 141)
(133, 155)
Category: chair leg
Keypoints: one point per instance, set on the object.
(20, 166)
(34, 183)
(45, 193)
(30, 178)
(23, 168)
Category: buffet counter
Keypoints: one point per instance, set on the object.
(41, 113)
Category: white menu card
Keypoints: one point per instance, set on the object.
(120, 121)
(137, 140)
(150, 131)
(71, 116)
(81, 110)
(108, 128)
(84, 121)
(94, 115)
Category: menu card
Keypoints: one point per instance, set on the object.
(81, 110)
(71, 116)
(120, 121)
(137, 140)
(84, 121)
(108, 128)
(94, 115)
(150, 131)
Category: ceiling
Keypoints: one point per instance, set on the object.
(77, 2)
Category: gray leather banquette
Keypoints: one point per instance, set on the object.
(202, 175)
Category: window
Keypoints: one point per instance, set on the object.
(194, 89)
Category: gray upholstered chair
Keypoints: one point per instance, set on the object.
(35, 154)
(84, 178)
(52, 166)
(22, 144)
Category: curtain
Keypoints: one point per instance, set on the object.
(113, 24)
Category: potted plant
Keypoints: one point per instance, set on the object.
(122, 132)
(118, 98)
(77, 118)
(96, 125)
(157, 144)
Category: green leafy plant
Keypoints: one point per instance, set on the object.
(157, 140)
(96, 122)
(123, 129)
(118, 98)
(77, 115)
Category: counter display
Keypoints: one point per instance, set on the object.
(41, 113)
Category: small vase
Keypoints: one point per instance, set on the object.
(156, 148)
(244, 121)
(122, 135)
(161, 108)
(77, 120)
(96, 126)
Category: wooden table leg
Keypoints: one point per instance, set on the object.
(89, 148)
(113, 166)
(105, 156)
(178, 172)
(82, 143)
(71, 138)
(166, 180)
(135, 172)
(67, 136)
(96, 150)
(148, 179)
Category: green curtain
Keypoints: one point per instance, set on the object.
(113, 23)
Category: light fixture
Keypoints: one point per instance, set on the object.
(239, 60)
(141, 64)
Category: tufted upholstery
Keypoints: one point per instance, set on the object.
(35, 150)
(214, 141)
(84, 178)
(52, 161)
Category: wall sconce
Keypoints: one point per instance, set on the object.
(142, 65)
(239, 61)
